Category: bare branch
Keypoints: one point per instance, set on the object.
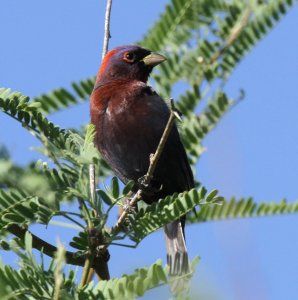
(107, 34)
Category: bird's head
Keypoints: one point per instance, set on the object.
(128, 62)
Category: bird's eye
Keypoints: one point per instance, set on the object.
(129, 57)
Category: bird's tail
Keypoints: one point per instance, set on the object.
(177, 257)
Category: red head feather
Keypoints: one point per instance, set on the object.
(106, 61)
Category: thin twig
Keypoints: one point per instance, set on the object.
(153, 163)
(85, 211)
(66, 216)
(107, 35)
(92, 184)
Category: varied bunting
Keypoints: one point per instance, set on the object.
(130, 118)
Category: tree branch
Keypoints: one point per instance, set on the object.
(45, 247)
(107, 35)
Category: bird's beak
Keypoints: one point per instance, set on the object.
(153, 59)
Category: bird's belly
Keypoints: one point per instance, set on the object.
(127, 142)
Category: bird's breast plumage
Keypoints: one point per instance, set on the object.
(129, 122)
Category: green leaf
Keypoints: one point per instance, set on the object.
(32, 281)
(15, 208)
(128, 187)
(163, 212)
(115, 188)
(211, 195)
(104, 197)
(129, 286)
(61, 98)
(243, 208)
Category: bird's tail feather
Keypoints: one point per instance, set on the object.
(177, 258)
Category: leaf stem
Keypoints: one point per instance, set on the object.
(234, 34)
(69, 218)
(87, 267)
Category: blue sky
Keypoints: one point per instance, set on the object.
(253, 152)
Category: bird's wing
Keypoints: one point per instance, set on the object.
(173, 171)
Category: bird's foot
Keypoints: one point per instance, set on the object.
(149, 189)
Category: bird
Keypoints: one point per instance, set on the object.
(129, 118)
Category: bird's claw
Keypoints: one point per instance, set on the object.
(148, 188)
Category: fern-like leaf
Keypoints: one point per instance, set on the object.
(61, 98)
(59, 143)
(167, 210)
(243, 208)
(16, 207)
